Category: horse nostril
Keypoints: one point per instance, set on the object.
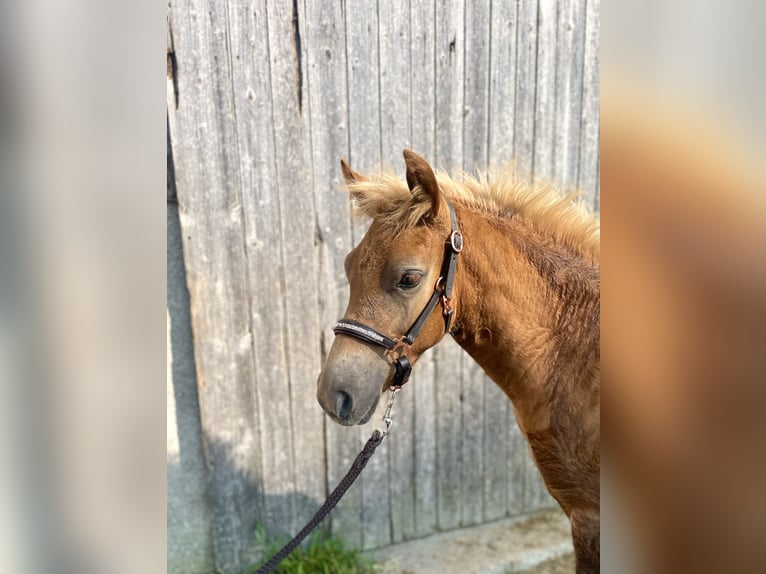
(343, 404)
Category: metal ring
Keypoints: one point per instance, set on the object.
(456, 240)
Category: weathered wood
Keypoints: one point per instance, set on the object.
(363, 93)
(544, 150)
(545, 89)
(588, 171)
(325, 37)
(472, 443)
(395, 133)
(569, 85)
(475, 159)
(502, 89)
(524, 152)
(260, 206)
(364, 111)
(286, 25)
(448, 152)
(501, 134)
(476, 86)
(422, 74)
(204, 137)
(495, 451)
(526, 77)
(518, 460)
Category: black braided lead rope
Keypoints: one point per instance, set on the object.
(335, 496)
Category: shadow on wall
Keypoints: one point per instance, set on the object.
(211, 516)
(189, 535)
(238, 501)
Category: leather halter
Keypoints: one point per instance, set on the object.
(442, 292)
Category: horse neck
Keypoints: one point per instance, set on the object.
(527, 308)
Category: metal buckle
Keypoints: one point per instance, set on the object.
(456, 241)
(387, 415)
(447, 306)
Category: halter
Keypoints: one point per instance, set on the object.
(442, 292)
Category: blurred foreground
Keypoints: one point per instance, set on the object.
(684, 334)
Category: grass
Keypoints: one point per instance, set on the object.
(323, 554)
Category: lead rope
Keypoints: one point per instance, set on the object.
(356, 468)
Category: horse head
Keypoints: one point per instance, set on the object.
(393, 275)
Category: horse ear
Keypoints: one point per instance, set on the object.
(349, 174)
(420, 174)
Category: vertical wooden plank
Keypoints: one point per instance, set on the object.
(502, 90)
(422, 81)
(569, 90)
(545, 130)
(294, 183)
(251, 89)
(330, 137)
(363, 58)
(203, 126)
(588, 171)
(475, 158)
(476, 86)
(251, 93)
(502, 96)
(597, 201)
(424, 392)
(363, 89)
(518, 460)
(495, 475)
(545, 100)
(524, 150)
(450, 66)
(526, 74)
(394, 26)
(472, 443)
(329, 142)
(449, 54)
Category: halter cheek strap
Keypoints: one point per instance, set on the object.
(442, 292)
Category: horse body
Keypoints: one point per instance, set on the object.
(525, 308)
(529, 316)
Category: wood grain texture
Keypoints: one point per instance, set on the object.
(503, 56)
(395, 135)
(326, 59)
(260, 209)
(588, 170)
(526, 88)
(363, 48)
(518, 461)
(495, 451)
(476, 89)
(423, 122)
(294, 185)
(208, 181)
(263, 101)
(449, 105)
(497, 485)
(569, 87)
(545, 89)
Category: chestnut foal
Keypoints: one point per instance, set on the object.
(524, 304)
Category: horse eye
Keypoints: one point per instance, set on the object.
(409, 280)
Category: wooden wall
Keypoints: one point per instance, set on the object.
(264, 98)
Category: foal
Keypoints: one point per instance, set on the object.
(525, 307)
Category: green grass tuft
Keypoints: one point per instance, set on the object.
(323, 555)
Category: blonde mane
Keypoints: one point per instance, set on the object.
(384, 197)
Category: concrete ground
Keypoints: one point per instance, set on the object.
(538, 543)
